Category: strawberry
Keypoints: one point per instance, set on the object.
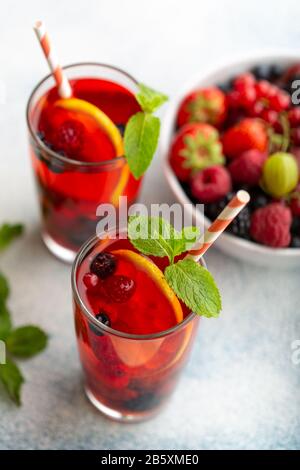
(248, 134)
(206, 105)
(195, 147)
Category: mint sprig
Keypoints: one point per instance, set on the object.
(190, 281)
(154, 236)
(195, 286)
(142, 131)
(25, 341)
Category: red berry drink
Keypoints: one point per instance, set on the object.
(75, 151)
(134, 335)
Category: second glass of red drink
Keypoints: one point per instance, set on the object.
(74, 152)
(134, 335)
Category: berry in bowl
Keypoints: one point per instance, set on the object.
(239, 128)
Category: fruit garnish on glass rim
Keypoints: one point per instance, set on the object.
(190, 281)
(141, 131)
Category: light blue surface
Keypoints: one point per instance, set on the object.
(240, 389)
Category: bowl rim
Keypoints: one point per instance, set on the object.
(166, 135)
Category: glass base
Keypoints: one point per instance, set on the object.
(62, 253)
(117, 415)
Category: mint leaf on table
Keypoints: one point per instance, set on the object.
(5, 321)
(142, 131)
(4, 288)
(140, 142)
(12, 380)
(8, 232)
(195, 286)
(26, 341)
(150, 100)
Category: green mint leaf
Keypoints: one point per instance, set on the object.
(26, 341)
(4, 288)
(5, 321)
(8, 232)
(140, 142)
(151, 235)
(185, 239)
(195, 286)
(149, 99)
(12, 380)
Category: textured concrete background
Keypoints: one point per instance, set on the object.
(240, 389)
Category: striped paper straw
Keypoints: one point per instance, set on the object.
(237, 203)
(63, 85)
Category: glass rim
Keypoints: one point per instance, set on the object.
(51, 153)
(90, 316)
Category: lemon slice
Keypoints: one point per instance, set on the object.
(110, 129)
(136, 353)
(103, 121)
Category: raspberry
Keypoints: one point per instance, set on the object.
(270, 116)
(247, 168)
(103, 265)
(280, 101)
(294, 117)
(211, 184)
(118, 289)
(271, 224)
(69, 137)
(90, 280)
(262, 88)
(244, 80)
(295, 136)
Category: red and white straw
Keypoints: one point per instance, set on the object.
(237, 203)
(63, 85)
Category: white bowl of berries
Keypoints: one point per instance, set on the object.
(238, 127)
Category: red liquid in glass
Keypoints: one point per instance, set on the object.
(131, 376)
(70, 193)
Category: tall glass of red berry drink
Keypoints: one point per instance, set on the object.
(133, 343)
(75, 163)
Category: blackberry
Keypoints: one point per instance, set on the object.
(213, 209)
(295, 243)
(276, 71)
(225, 86)
(295, 228)
(103, 317)
(103, 265)
(241, 224)
(270, 72)
(143, 402)
(121, 128)
(258, 199)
